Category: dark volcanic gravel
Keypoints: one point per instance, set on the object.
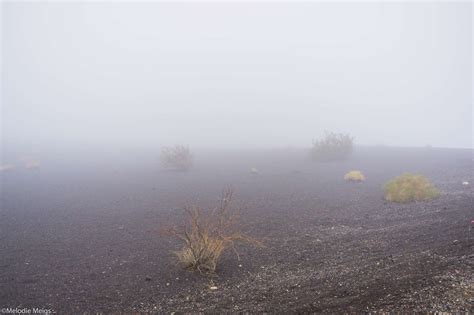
(84, 237)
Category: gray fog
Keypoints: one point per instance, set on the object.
(248, 75)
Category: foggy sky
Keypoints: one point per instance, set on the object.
(236, 75)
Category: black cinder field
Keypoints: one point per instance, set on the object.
(88, 239)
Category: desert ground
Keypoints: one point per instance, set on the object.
(84, 236)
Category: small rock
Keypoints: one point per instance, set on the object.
(455, 242)
(213, 288)
(465, 183)
(147, 278)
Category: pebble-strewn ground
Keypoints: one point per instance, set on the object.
(85, 237)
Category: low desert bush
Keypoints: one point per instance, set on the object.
(178, 157)
(254, 171)
(354, 176)
(6, 167)
(30, 162)
(410, 187)
(206, 235)
(333, 146)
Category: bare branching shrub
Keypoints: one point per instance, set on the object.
(410, 187)
(333, 146)
(207, 234)
(354, 176)
(178, 157)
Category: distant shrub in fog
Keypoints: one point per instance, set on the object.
(354, 176)
(254, 171)
(30, 162)
(333, 146)
(410, 187)
(6, 167)
(177, 157)
(206, 235)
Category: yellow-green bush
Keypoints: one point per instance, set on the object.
(354, 176)
(410, 187)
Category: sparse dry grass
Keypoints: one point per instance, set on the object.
(410, 187)
(206, 235)
(178, 157)
(354, 176)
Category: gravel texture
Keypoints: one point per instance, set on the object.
(86, 237)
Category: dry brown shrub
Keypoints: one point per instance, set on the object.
(207, 234)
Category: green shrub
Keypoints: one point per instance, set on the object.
(410, 187)
(333, 146)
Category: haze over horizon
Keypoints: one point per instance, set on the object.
(234, 75)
